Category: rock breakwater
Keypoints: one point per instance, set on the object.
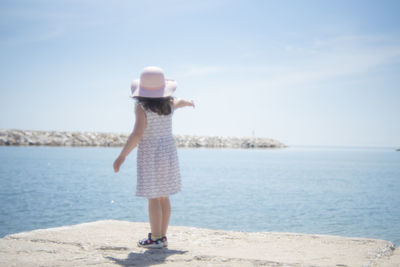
(62, 138)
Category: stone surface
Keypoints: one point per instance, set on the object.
(113, 243)
(53, 138)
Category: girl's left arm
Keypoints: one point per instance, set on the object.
(180, 103)
(134, 137)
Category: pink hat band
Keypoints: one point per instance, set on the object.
(153, 84)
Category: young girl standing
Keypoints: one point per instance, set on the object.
(158, 173)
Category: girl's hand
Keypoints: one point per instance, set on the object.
(118, 162)
(180, 103)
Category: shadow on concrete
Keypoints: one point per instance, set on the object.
(148, 258)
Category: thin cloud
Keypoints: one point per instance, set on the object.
(33, 37)
(203, 70)
(174, 7)
(42, 23)
(342, 56)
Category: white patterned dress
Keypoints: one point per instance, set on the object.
(157, 158)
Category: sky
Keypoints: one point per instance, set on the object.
(322, 73)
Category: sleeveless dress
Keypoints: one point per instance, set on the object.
(158, 172)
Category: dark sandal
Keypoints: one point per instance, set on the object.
(149, 243)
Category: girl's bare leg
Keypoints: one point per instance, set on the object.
(166, 214)
(155, 216)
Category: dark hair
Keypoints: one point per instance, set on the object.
(160, 105)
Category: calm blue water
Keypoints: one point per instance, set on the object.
(348, 192)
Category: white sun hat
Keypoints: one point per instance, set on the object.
(153, 84)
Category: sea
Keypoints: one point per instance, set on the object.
(346, 191)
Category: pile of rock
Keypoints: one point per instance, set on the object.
(55, 138)
(226, 142)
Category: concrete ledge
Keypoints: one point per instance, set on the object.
(113, 243)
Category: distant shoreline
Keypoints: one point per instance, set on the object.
(14, 137)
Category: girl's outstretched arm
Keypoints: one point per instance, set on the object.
(133, 139)
(180, 103)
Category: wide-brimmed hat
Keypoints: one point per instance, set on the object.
(152, 83)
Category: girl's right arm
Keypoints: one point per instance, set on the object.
(180, 103)
(133, 139)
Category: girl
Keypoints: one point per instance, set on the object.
(158, 173)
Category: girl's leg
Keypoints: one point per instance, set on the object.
(166, 214)
(155, 216)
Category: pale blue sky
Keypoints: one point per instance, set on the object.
(302, 72)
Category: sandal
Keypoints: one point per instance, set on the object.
(150, 243)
